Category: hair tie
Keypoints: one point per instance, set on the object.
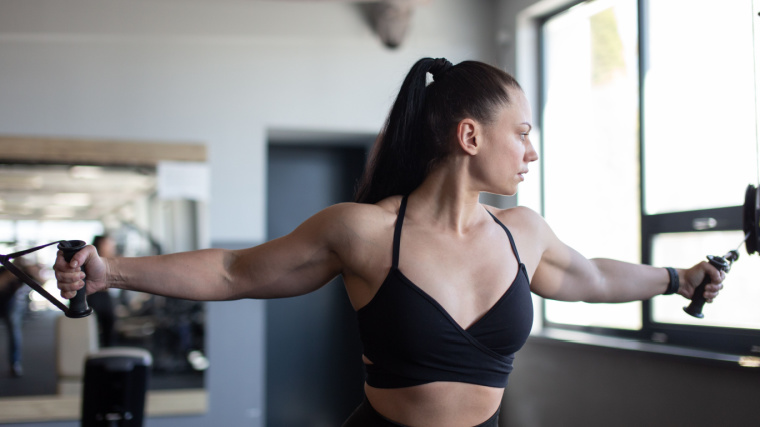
(439, 67)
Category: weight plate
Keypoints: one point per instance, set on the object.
(751, 220)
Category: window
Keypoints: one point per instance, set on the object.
(591, 151)
(648, 144)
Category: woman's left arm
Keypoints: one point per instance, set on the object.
(564, 274)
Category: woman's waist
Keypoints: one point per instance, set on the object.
(437, 403)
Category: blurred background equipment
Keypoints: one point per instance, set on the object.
(115, 384)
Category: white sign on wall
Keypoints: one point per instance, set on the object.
(183, 180)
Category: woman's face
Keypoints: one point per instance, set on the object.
(507, 150)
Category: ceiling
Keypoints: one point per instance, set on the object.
(54, 192)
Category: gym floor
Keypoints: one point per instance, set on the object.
(40, 364)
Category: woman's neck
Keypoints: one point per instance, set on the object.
(447, 199)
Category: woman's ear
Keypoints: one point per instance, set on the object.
(469, 136)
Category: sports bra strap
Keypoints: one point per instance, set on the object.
(397, 232)
(511, 240)
(400, 222)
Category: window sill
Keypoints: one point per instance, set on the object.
(625, 344)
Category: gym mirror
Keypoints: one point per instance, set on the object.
(41, 202)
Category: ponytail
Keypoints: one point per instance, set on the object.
(416, 133)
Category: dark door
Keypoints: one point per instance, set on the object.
(314, 372)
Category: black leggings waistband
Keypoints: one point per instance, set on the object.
(366, 416)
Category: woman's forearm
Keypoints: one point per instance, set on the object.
(622, 281)
(196, 275)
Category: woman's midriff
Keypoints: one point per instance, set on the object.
(439, 404)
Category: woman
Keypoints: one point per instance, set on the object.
(441, 291)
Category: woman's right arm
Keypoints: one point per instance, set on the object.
(295, 264)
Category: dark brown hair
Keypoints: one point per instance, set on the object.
(417, 132)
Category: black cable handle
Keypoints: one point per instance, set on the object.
(78, 305)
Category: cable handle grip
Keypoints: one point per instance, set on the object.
(698, 299)
(78, 305)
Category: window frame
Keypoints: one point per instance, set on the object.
(710, 338)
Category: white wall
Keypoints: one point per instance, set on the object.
(222, 73)
(215, 72)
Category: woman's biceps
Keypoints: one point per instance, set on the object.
(285, 267)
(561, 274)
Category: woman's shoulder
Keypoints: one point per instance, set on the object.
(517, 217)
(525, 224)
(361, 218)
(359, 233)
(529, 230)
(359, 211)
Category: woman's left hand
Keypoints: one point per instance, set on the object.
(693, 277)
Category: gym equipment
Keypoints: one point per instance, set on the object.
(751, 220)
(698, 300)
(115, 384)
(751, 228)
(78, 305)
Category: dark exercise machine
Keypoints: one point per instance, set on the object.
(115, 382)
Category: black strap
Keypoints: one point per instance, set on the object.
(511, 240)
(5, 260)
(397, 232)
(28, 251)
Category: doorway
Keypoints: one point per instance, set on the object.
(314, 372)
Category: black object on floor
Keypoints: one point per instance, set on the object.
(115, 384)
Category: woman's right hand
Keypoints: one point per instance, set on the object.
(84, 265)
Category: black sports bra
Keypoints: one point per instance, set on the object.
(411, 339)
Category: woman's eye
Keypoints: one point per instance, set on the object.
(523, 136)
